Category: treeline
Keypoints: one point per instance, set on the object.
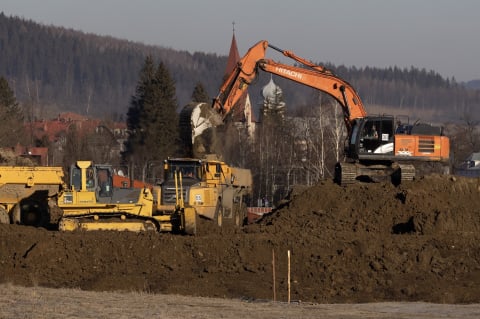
(413, 89)
(54, 69)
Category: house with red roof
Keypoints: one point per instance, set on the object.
(55, 132)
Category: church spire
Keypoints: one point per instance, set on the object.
(233, 56)
(242, 110)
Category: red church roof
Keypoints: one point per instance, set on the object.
(233, 58)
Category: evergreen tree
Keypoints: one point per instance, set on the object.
(200, 94)
(12, 131)
(151, 119)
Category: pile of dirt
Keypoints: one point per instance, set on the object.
(418, 241)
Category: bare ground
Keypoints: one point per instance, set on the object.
(36, 302)
(365, 243)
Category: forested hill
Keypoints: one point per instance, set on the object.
(53, 69)
(58, 69)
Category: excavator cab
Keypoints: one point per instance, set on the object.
(372, 135)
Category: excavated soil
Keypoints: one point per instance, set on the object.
(367, 242)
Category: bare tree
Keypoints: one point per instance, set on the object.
(337, 130)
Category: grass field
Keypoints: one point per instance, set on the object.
(36, 302)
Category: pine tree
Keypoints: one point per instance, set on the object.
(199, 94)
(12, 131)
(152, 119)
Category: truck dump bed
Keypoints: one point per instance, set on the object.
(25, 191)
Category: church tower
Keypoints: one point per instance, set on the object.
(242, 111)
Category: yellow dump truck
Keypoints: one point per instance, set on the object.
(214, 189)
(91, 202)
(26, 194)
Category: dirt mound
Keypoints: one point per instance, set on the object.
(361, 243)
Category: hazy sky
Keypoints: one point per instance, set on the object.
(439, 35)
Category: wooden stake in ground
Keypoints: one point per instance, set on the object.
(273, 271)
(288, 276)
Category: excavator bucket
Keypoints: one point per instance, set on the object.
(198, 122)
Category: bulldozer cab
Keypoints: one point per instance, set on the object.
(85, 176)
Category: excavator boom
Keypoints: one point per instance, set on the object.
(312, 75)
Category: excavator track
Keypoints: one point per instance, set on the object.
(345, 173)
(407, 172)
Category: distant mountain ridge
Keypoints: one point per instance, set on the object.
(473, 84)
(53, 69)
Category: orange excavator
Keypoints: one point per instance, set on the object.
(375, 145)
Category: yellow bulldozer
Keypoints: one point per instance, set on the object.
(91, 202)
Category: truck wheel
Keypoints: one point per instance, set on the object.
(30, 213)
(16, 216)
(4, 218)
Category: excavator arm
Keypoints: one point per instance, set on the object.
(239, 79)
(310, 74)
